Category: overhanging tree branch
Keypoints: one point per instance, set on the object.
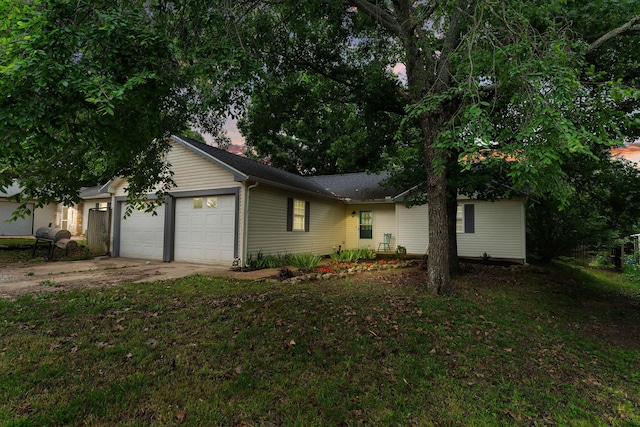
(377, 13)
(627, 27)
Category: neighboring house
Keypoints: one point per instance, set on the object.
(39, 217)
(225, 206)
(75, 217)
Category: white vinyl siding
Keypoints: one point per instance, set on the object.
(384, 222)
(192, 172)
(413, 228)
(383, 218)
(44, 216)
(267, 230)
(499, 231)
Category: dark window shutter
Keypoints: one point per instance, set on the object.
(307, 209)
(469, 219)
(289, 213)
(97, 205)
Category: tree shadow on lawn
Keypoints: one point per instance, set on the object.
(575, 300)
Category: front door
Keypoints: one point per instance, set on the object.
(366, 226)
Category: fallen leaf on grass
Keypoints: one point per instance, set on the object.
(517, 417)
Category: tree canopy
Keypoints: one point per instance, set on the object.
(89, 90)
(533, 82)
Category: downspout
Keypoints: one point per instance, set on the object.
(245, 232)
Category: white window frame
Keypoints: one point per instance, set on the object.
(299, 219)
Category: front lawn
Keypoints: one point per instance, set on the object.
(521, 346)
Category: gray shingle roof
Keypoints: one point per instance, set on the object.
(353, 186)
(247, 169)
(356, 186)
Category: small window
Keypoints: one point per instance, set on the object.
(459, 219)
(465, 219)
(197, 203)
(212, 202)
(297, 215)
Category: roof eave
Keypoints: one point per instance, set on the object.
(293, 188)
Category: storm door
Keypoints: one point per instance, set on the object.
(366, 224)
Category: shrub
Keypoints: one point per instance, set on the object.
(304, 261)
(601, 260)
(354, 255)
(266, 261)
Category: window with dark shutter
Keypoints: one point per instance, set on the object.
(465, 219)
(307, 209)
(469, 219)
(297, 214)
(289, 213)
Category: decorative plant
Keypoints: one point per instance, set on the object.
(304, 261)
(401, 251)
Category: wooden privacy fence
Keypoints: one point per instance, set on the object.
(99, 231)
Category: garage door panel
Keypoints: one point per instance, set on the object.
(20, 227)
(226, 238)
(228, 220)
(205, 234)
(213, 221)
(142, 235)
(212, 238)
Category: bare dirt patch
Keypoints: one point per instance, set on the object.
(33, 278)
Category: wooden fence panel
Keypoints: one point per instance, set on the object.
(99, 231)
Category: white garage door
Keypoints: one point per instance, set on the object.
(205, 229)
(20, 227)
(142, 234)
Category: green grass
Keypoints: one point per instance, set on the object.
(511, 347)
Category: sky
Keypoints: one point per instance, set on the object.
(630, 152)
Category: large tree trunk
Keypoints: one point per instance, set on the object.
(452, 206)
(439, 281)
(427, 72)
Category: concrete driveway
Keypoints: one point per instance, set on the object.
(17, 279)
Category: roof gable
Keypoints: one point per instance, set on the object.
(351, 187)
(245, 169)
